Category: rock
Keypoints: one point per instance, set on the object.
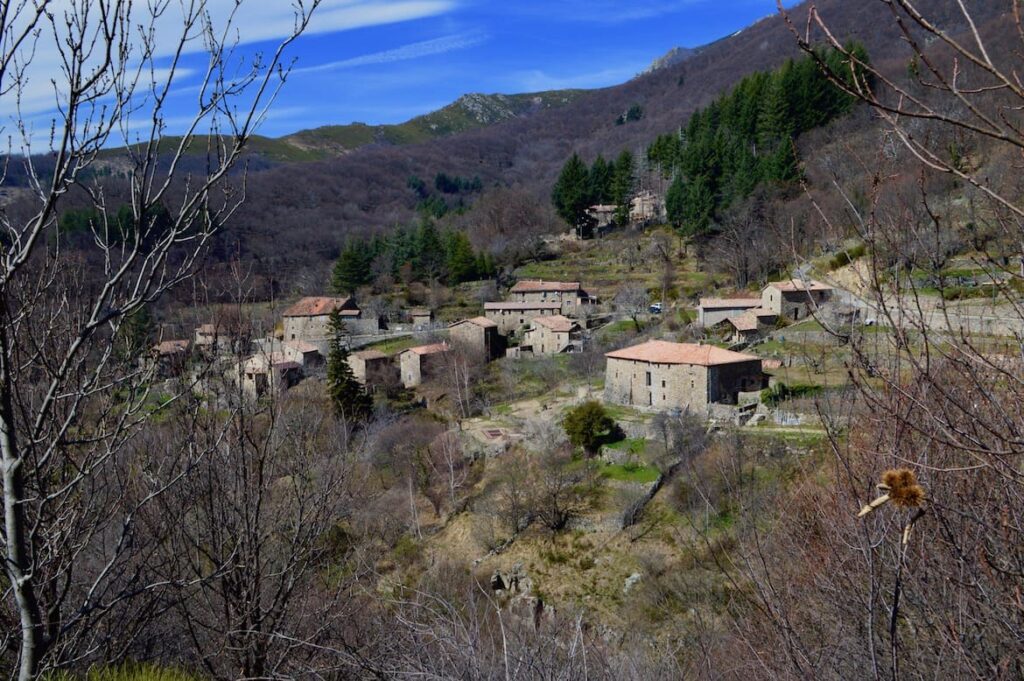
(631, 581)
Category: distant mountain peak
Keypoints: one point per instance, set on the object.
(676, 55)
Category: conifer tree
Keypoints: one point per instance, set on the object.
(352, 269)
(571, 195)
(600, 181)
(623, 181)
(461, 261)
(350, 400)
(675, 201)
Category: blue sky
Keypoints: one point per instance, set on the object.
(390, 73)
(385, 61)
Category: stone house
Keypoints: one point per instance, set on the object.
(666, 376)
(603, 215)
(480, 337)
(713, 311)
(795, 298)
(421, 318)
(422, 363)
(309, 320)
(568, 294)
(373, 368)
(510, 317)
(553, 335)
(305, 354)
(268, 373)
(749, 325)
(646, 206)
(169, 357)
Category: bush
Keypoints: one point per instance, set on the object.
(780, 392)
(589, 426)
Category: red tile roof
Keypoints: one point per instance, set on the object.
(791, 285)
(663, 352)
(369, 354)
(482, 322)
(729, 303)
(541, 285)
(557, 323)
(316, 306)
(522, 306)
(301, 346)
(432, 349)
(744, 322)
(170, 347)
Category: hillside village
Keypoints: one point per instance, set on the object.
(717, 373)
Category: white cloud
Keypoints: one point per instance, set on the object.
(45, 84)
(425, 48)
(537, 80)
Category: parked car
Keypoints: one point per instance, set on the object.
(655, 308)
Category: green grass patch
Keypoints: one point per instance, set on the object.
(632, 445)
(630, 472)
(394, 345)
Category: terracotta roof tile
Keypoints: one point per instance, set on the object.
(431, 349)
(528, 286)
(316, 306)
(663, 352)
(744, 322)
(729, 303)
(791, 285)
(170, 347)
(522, 306)
(369, 354)
(557, 323)
(482, 322)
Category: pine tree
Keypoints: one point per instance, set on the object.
(352, 269)
(350, 400)
(600, 181)
(675, 201)
(571, 195)
(700, 206)
(429, 260)
(461, 261)
(623, 181)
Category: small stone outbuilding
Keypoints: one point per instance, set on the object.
(423, 363)
(479, 337)
(568, 294)
(553, 335)
(373, 368)
(714, 311)
(795, 298)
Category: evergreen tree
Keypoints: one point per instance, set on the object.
(429, 260)
(349, 398)
(699, 206)
(571, 195)
(623, 181)
(600, 181)
(461, 261)
(675, 201)
(352, 269)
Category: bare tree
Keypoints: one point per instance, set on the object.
(631, 300)
(67, 406)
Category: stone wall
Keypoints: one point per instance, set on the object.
(671, 386)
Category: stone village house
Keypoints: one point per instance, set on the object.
(667, 376)
(480, 337)
(422, 363)
(568, 294)
(309, 320)
(795, 299)
(265, 373)
(713, 311)
(373, 368)
(553, 335)
(510, 317)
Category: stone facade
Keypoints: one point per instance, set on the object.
(713, 311)
(553, 335)
(480, 337)
(423, 363)
(373, 368)
(569, 295)
(667, 376)
(795, 299)
(309, 320)
(510, 317)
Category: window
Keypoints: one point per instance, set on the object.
(648, 379)
(663, 385)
